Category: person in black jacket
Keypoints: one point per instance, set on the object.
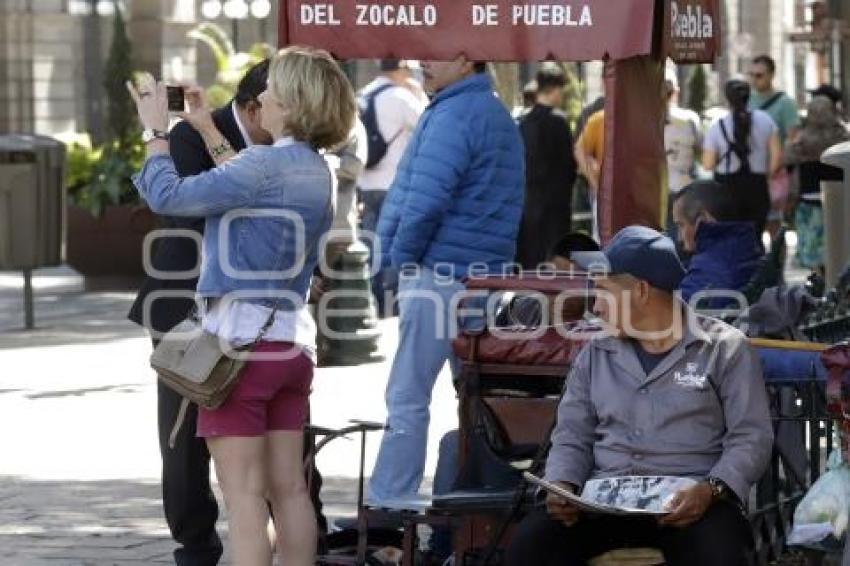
(550, 171)
(189, 503)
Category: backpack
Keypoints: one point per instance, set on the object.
(377, 146)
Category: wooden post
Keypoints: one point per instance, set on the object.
(633, 188)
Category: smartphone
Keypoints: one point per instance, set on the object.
(176, 98)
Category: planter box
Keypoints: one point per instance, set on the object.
(109, 246)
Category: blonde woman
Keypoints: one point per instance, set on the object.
(266, 210)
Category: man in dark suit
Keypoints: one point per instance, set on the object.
(550, 171)
(190, 505)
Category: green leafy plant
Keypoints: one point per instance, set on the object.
(81, 160)
(230, 64)
(101, 177)
(572, 100)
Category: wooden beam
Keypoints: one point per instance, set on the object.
(633, 189)
(789, 345)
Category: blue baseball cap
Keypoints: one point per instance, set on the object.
(640, 252)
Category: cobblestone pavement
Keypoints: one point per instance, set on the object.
(79, 462)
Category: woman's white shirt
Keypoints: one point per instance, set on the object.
(238, 323)
(763, 127)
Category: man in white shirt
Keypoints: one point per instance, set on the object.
(682, 144)
(399, 101)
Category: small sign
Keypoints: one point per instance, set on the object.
(692, 30)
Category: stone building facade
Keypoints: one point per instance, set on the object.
(52, 54)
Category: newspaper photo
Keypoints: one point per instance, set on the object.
(624, 495)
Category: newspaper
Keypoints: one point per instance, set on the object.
(622, 495)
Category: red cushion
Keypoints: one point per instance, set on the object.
(522, 347)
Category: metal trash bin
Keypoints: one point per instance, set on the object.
(836, 211)
(32, 206)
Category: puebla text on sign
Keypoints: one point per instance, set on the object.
(692, 31)
(417, 15)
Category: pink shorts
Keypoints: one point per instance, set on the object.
(270, 395)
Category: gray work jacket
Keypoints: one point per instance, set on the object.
(703, 411)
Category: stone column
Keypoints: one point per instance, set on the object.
(16, 70)
(60, 87)
(42, 88)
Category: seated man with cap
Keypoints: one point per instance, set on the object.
(665, 392)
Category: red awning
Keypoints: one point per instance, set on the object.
(484, 30)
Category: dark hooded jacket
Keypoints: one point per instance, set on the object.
(726, 258)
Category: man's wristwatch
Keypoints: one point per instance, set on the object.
(148, 135)
(719, 489)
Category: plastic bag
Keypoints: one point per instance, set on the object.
(825, 509)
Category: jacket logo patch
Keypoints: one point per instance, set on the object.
(690, 379)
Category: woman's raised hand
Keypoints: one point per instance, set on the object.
(198, 114)
(151, 102)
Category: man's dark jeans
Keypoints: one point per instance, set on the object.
(720, 538)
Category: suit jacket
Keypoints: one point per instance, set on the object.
(550, 171)
(190, 157)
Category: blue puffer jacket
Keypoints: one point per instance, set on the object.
(458, 192)
(726, 258)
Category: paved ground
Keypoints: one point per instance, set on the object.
(79, 462)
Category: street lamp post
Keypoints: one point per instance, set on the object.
(235, 10)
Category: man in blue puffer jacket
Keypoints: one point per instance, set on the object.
(454, 208)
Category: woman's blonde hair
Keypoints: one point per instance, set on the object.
(317, 96)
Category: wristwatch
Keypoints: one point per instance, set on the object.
(719, 489)
(148, 135)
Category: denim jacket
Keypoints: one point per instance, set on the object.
(266, 210)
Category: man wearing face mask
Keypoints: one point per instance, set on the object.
(189, 503)
(665, 392)
(724, 254)
(454, 207)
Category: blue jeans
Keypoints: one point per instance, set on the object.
(424, 346)
(384, 280)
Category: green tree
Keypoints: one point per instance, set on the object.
(101, 177)
(572, 100)
(121, 115)
(698, 90)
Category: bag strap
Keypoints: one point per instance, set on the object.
(371, 102)
(733, 147)
(728, 155)
(178, 422)
(771, 101)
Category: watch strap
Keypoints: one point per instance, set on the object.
(719, 489)
(153, 134)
